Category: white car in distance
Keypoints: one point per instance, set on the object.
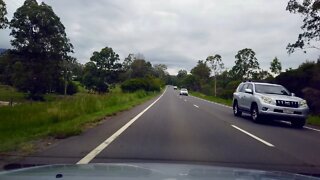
(184, 91)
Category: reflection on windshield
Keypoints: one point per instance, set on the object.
(269, 89)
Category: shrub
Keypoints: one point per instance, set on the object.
(147, 84)
(313, 98)
(227, 92)
(72, 88)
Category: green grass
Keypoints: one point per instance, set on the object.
(227, 102)
(61, 117)
(8, 93)
(314, 120)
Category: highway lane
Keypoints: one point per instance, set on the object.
(187, 129)
(182, 129)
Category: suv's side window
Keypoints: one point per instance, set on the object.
(250, 87)
(244, 86)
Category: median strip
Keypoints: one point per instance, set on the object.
(253, 136)
(108, 141)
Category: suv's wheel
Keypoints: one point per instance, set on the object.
(255, 113)
(236, 110)
(298, 123)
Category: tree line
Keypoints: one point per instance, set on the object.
(210, 76)
(41, 61)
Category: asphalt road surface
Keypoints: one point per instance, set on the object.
(185, 129)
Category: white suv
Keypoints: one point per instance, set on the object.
(274, 101)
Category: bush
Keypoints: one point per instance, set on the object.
(227, 92)
(313, 98)
(207, 89)
(147, 84)
(72, 88)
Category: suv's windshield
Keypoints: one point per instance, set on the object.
(271, 89)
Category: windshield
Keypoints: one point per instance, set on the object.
(271, 89)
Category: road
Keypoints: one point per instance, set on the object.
(185, 129)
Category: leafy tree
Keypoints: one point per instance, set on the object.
(217, 66)
(309, 10)
(41, 45)
(90, 76)
(275, 66)
(102, 70)
(141, 68)
(160, 71)
(201, 73)
(3, 13)
(127, 62)
(261, 75)
(246, 64)
(201, 70)
(190, 82)
(182, 73)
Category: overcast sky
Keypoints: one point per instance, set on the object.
(178, 33)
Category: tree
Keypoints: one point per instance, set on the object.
(90, 77)
(141, 68)
(3, 13)
(102, 70)
(127, 62)
(182, 74)
(246, 64)
(201, 73)
(160, 71)
(309, 10)
(217, 66)
(41, 45)
(275, 66)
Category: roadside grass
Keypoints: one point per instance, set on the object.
(8, 93)
(227, 102)
(312, 119)
(61, 117)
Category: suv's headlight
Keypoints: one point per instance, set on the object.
(303, 103)
(267, 100)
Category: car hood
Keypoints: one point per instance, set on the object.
(281, 97)
(142, 171)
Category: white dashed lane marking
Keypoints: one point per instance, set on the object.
(253, 136)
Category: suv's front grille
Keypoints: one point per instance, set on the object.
(287, 103)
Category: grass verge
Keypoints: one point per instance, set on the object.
(227, 102)
(62, 117)
(314, 120)
(8, 93)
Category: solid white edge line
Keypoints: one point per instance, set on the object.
(253, 136)
(91, 155)
(212, 102)
(312, 129)
(318, 130)
(196, 106)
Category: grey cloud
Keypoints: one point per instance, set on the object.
(179, 33)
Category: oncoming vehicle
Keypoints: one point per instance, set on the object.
(274, 101)
(184, 91)
(175, 87)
